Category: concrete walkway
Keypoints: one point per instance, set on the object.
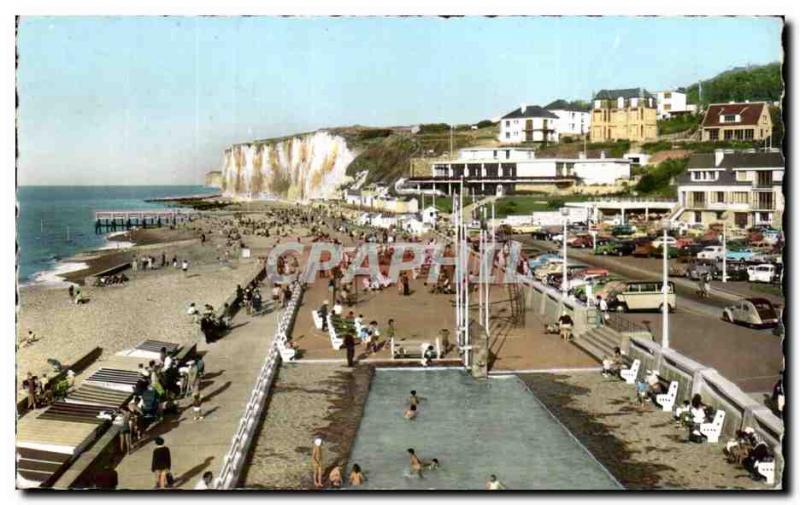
(232, 365)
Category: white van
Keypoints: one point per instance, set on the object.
(644, 295)
(712, 252)
(761, 273)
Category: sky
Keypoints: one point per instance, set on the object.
(155, 100)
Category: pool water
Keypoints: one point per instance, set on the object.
(474, 428)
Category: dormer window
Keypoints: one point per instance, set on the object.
(729, 118)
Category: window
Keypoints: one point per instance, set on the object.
(698, 217)
(508, 135)
(728, 118)
(748, 134)
(720, 197)
(713, 134)
(764, 178)
(508, 154)
(741, 197)
(667, 95)
(667, 106)
(739, 134)
(728, 134)
(741, 176)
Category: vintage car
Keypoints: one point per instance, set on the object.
(753, 312)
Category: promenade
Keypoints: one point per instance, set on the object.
(232, 365)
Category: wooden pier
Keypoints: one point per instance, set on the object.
(105, 220)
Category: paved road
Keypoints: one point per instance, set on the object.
(750, 358)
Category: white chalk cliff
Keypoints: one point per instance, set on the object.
(298, 168)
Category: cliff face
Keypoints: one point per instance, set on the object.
(214, 179)
(299, 168)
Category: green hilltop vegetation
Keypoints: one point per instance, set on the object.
(754, 83)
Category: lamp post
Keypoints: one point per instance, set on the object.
(724, 253)
(565, 215)
(665, 290)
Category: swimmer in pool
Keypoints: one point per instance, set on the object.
(433, 465)
(416, 464)
(411, 413)
(493, 484)
(414, 399)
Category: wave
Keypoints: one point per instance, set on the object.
(53, 277)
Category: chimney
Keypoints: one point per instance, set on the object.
(523, 107)
(718, 155)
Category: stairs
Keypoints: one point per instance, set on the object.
(599, 342)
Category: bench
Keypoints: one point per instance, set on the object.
(767, 469)
(400, 349)
(713, 430)
(667, 400)
(630, 374)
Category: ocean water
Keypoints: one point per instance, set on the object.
(46, 213)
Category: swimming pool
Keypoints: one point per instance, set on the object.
(475, 428)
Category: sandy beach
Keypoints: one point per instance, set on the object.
(307, 401)
(151, 305)
(641, 447)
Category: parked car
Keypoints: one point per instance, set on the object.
(605, 246)
(622, 230)
(671, 241)
(762, 273)
(581, 241)
(700, 270)
(672, 252)
(542, 259)
(643, 250)
(743, 255)
(754, 312)
(712, 252)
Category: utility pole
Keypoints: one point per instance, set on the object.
(565, 215)
(724, 253)
(665, 290)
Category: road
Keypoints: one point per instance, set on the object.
(748, 357)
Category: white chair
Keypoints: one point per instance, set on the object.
(767, 469)
(317, 319)
(287, 353)
(713, 429)
(667, 401)
(630, 374)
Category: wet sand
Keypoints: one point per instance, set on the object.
(641, 447)
(307, 401)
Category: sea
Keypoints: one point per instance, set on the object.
(57, 222)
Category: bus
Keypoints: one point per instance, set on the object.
(642, 296)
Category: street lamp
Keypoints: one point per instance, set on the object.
(665, 289)
(565, 215)
(724, 253)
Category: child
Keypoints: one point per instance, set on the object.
(411, 413)
(196, 407)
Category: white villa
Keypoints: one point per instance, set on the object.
(528, 123)
(742, 188)
(669, 102)
(572, 120)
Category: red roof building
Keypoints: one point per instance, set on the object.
(736, 121)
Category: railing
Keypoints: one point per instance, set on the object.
(617, 322)
(233, 462)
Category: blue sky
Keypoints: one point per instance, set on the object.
(155, 100)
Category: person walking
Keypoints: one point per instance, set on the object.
(316, 461)
(350, 347)
(161, 464)
(602, 305)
